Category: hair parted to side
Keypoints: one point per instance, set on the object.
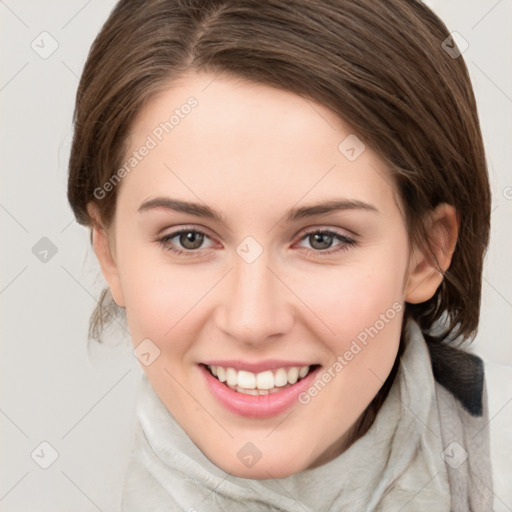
(379, 65)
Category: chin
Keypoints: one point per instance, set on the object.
(271, 466)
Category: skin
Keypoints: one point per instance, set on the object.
(251, 152)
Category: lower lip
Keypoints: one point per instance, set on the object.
(257, 406)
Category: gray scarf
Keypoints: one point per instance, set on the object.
(427, 450)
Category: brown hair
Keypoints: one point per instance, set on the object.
(380, 66)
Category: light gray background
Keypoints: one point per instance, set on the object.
(82, 402)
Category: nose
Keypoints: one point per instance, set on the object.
(255, 305)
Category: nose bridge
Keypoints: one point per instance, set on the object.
(255, 307)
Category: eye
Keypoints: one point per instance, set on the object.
(190, 239)
(321, 240)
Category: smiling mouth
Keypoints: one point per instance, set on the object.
(263, 383)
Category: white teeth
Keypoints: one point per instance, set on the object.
(246, 380)
(265, 380)
(293, 375)
(262, 383)
(232, 376)
(303, 372)
(247, 391)
(221, 374)
(281, 377)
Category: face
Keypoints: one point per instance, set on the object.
(276, 320)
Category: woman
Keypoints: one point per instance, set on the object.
(291, 202)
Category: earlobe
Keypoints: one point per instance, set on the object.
(426, 267)
(103, 249)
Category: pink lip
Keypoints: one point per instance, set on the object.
(257, 406)
(256, 367)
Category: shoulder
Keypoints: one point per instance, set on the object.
(498, 383)
(472, 381)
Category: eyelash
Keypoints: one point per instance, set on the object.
(346, 242)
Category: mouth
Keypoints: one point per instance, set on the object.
(257, 394)
(262, 383)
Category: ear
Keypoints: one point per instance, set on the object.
(424, 276)
(105, 252)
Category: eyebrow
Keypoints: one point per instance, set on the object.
(291, 215)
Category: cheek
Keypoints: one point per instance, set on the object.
(363, 309)
(348, 299)
(159, 297)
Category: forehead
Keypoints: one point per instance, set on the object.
(250, 145)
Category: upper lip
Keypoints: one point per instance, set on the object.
(256, 366)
